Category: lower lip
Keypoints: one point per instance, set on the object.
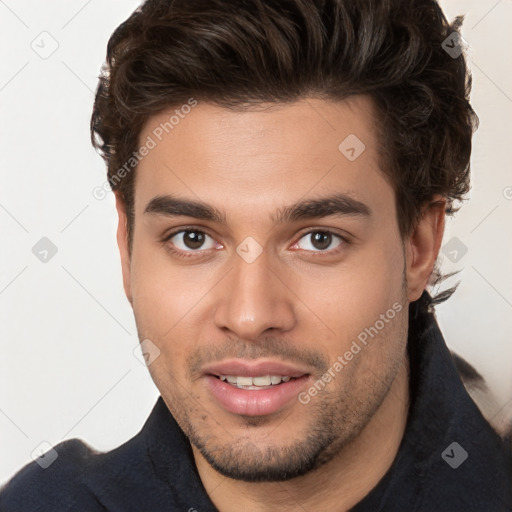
(257, 402)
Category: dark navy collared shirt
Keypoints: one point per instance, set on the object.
(449, 460)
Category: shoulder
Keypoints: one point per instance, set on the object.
(81, 478)
(499, 417)
(472, 469)
(41, 486)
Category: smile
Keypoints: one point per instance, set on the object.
(255, 383)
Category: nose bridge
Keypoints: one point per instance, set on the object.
(253, 299)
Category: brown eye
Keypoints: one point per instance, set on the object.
(320, 241)
(191, 240)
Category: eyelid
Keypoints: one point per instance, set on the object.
(344, 239)
(173, 232)
(183, 229)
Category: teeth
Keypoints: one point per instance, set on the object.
(261, 381)
(244, 381)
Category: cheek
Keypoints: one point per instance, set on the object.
(380, 282)
(163, 294)
(352, 296)
(165, 305)
(160, 309)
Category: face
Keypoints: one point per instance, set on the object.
(265, 259)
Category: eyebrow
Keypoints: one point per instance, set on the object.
(171, 206)
(336, 204)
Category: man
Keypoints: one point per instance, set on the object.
(282, 172)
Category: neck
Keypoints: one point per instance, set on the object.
(337, 485)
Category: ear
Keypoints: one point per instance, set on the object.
(122, 243)
(422, 246)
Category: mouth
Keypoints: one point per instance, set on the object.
(254, 388)
(255, 383)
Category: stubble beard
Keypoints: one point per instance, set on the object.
(333, 422)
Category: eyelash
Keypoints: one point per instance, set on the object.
(191, 254)
(180, 253)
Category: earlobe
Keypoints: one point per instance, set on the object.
(422, 246)
(122, 242)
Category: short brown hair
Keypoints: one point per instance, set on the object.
(238, 54)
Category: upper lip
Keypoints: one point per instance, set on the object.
(241, 368)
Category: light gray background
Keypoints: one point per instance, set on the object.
(67, 365)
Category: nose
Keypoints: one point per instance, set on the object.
(254, 299)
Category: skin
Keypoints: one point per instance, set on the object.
(296, 302)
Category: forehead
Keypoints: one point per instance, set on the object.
(260, 159)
